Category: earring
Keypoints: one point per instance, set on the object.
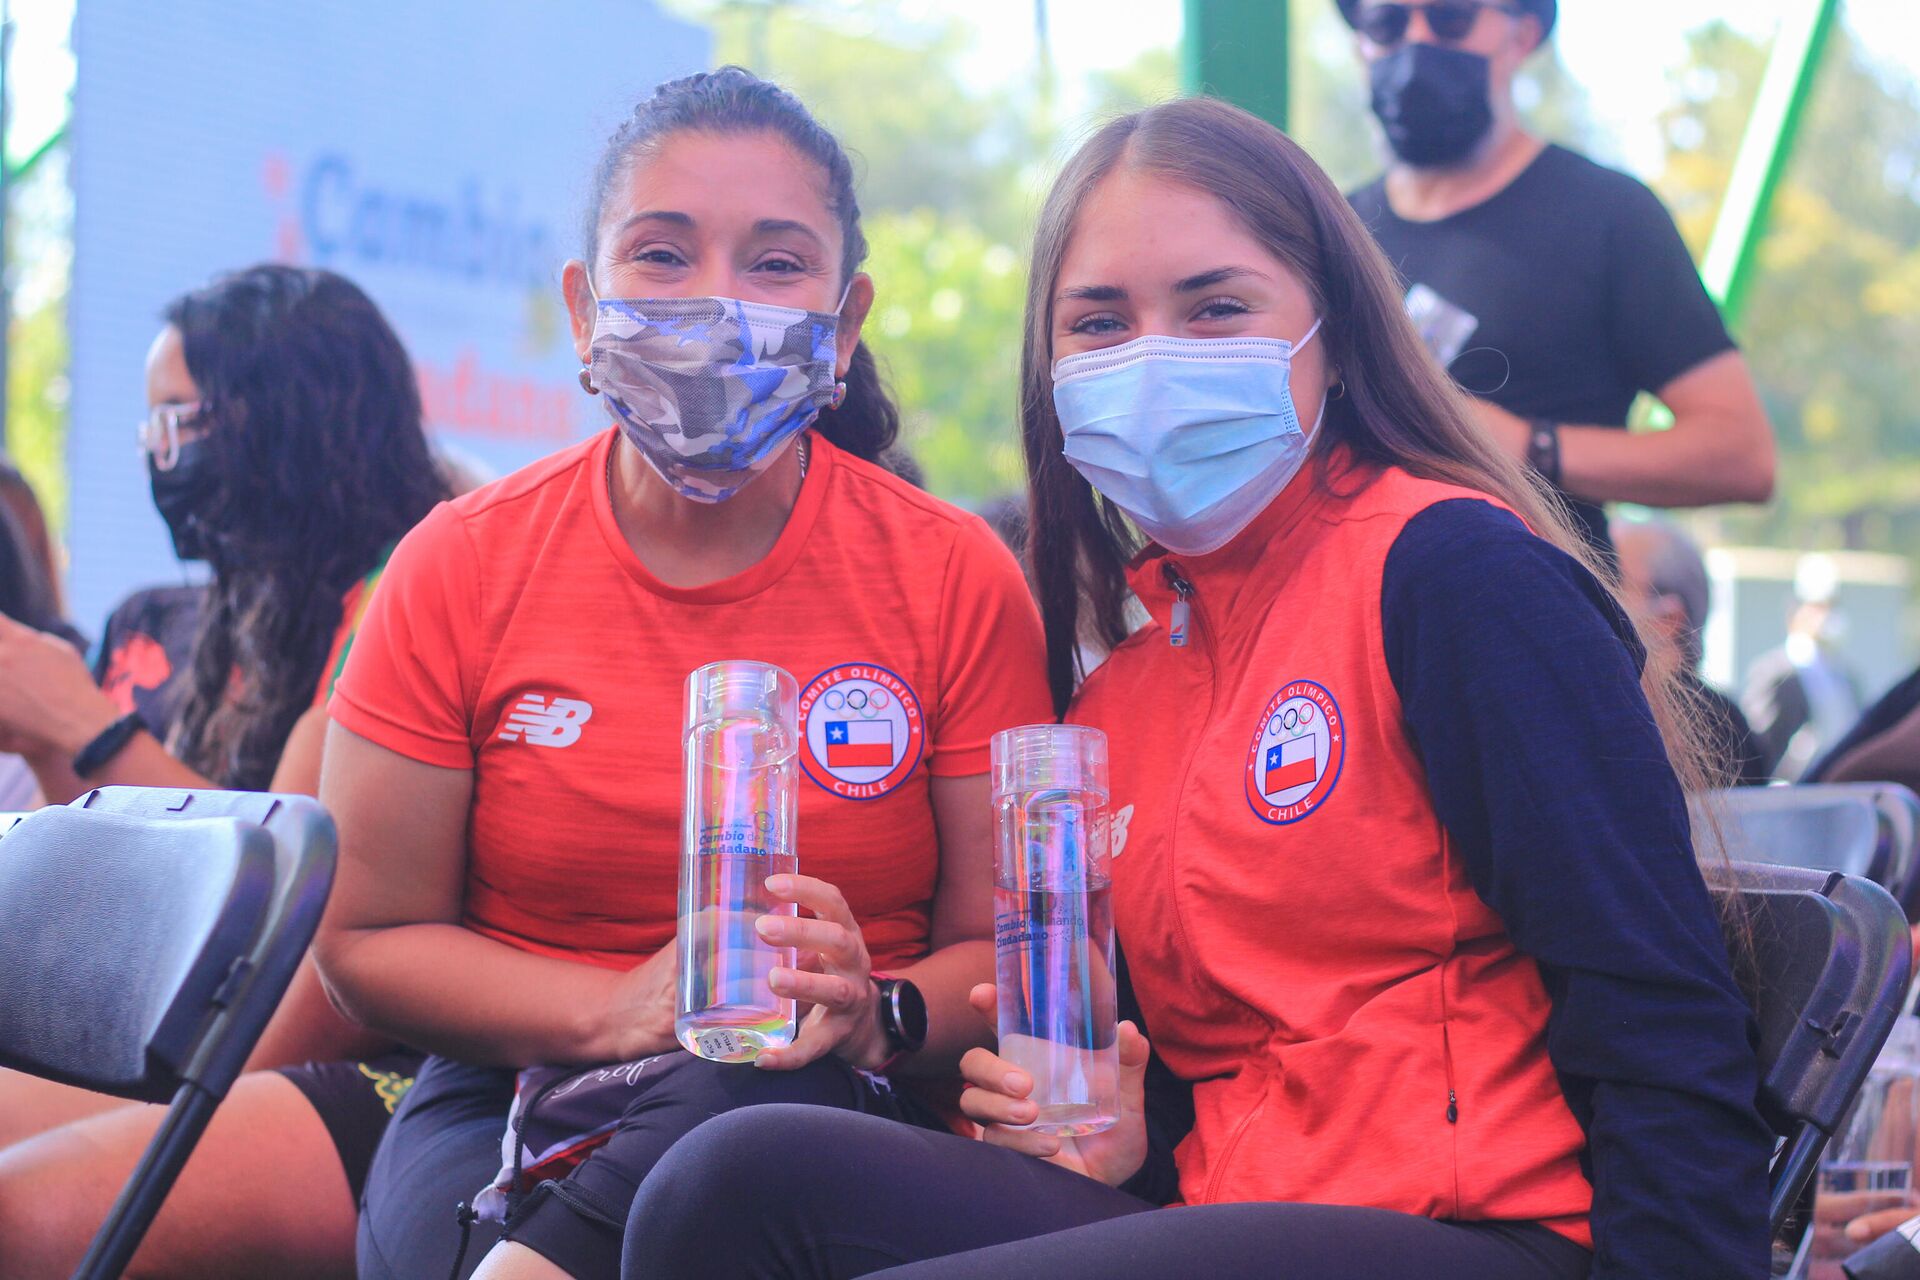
(839, 395)
(586, 381)
(1338, 391)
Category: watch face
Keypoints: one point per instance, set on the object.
(910, 1008)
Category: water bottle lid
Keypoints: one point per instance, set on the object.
(738, 687)
(1049, 756)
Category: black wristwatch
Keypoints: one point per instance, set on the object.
(106, 744)
(1543, 448)
(903, 1014)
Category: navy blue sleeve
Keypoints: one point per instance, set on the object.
(1519, 680)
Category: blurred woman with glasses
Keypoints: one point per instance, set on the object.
(284, 445)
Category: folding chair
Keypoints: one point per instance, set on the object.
(1900, 818)
(1859, 829)
(147, 936)
(1830, 961)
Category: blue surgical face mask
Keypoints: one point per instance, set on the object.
(1191, 437)
(711, 390)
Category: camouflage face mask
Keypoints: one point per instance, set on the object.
(710, 390)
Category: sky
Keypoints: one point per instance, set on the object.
(1619, 50)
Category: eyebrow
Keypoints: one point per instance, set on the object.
(1191, 284)
(1093, 293)
(675, 217)
(764, 227)
(1208, 279)
(775, 226)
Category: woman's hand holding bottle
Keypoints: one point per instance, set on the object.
(996, 1099)
(834, 975)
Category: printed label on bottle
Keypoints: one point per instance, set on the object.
(721, 1043)
(760, 838)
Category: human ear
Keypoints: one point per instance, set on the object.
(577, 289)
(853, 315)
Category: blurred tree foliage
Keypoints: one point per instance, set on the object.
(952, 176)
(37, 403)
(38, 235)
(1833, 319)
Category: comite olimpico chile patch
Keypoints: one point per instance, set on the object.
(861, 730)
(1297, 753)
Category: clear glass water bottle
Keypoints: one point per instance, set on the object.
(737, 828)
(1053, 923)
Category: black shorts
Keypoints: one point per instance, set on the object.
(356, 1099)
(446, 1144)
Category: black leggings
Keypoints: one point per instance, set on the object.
(800, 1192)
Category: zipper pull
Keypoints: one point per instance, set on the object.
(1182, 605)
(1453, 1108)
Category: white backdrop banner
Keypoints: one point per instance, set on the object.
(437, 152)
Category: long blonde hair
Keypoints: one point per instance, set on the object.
(1399, 408)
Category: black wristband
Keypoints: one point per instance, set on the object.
(107, 744)
(1543, 449)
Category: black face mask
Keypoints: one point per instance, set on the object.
(183, 494)
(1432, 102)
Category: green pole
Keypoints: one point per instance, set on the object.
(1237, 50)
(1764, 151)
(19, 172)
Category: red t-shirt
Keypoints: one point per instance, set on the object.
(516, 634)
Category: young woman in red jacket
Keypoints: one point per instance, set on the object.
(1406, 884)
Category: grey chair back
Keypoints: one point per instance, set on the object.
(1828, 960)
(1859, 829)
(147, 936)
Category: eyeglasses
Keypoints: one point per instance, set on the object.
(165, 427)
(1449, 20)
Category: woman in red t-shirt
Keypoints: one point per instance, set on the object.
(505, 763)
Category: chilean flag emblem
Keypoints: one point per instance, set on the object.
(859, 744)
(1290, 764)
(1295, 754)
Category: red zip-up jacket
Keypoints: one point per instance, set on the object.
(1309, 942)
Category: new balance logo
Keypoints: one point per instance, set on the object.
(543, 722)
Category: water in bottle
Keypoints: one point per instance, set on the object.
(737, 828)
(1053, 923)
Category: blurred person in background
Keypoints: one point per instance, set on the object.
(24, 505)
(1802, 698)
(284, 445)
(1006, 515)
(1662, 570)
(145, 658)
(1554, 290)
(26, 597)
(146, 653)
(1882, 746)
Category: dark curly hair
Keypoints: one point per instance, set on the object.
(321, 465)
(733, 100)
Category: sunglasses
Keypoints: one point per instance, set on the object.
(1449, 20)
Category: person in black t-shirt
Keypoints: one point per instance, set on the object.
(146, 652)
(1553, 289)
